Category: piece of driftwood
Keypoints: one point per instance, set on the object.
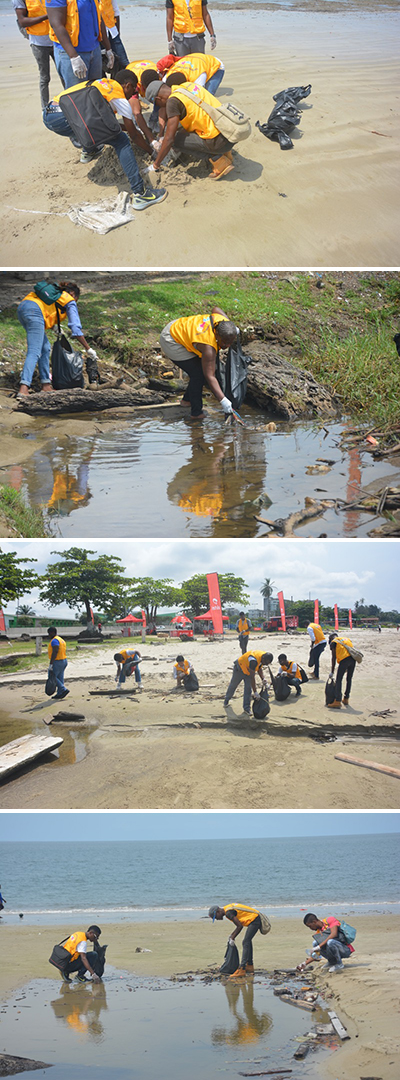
(111, 693)
(64, 716)
(10, 1065)
(87, 400)
(286, 526)
(368, 765)
(337, 1024)
(301, 1051)
(24, 750)
(268, 1072)
(299, 1002)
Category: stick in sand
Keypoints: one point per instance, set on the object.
(368, 765)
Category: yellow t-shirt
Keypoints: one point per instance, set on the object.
(246, 915)
(196, 329)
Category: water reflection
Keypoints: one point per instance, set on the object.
(248, 1025)
(80, 1009)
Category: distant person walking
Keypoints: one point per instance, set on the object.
(330, 940)
(341, 655)
(241, 916)
(318, 644)
(57, 651)
(72, 955)
(243, 627)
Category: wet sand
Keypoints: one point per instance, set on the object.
(364, 995)
(331, 201)
(165, 749)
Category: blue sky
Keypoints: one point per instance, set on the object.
(105, 825)
(334, 571)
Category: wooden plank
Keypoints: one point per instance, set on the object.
(111, 693)
(24, 750)
(299, 1003)
(368, 765)
(337, 1024)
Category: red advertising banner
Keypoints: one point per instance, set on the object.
(282, 609)
(2, 622)
(350, 619)
(92, 616)
(316, 612)
(215, 602)
(336, 617)
(144, 619)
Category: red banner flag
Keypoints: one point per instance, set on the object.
(282, 609)
(336, 617)
(144, 619)
(215, 602)
(316, 612)
(350, 619)
(2, 622)
(92, 616)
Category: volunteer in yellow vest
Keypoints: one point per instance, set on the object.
(57, 651)
(241, 915)
(189, 128)
(72, 955)
(181, 668)
(110, 89)
(127, 661)
(186, 22)
(243, 627)
(130, 79)
(291, 669)
(201, 68)
(36, 317)
(111, 16)
(76, 28)
(318, 644)
(245, 669)
(339, 647)
(32, 18)
(192, 344)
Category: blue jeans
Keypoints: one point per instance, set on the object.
(58, 669)
(63, 64)
(122, 675)
(215, 81)
(237, 677)
(334, 951)
(57, 122)
(31, 318)
(118, 49)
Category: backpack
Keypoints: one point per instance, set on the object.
(232, 374)
(47, 291)
(231, 122)
(190, 681)
(330, 691)
(90, 116)
(280, 685)
(355, 653)
(265, 924)
(346, 933)
(261, 707)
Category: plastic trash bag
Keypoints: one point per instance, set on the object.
(285, 116)
(190, 681)
(232, 374)
(261, 707)
(281, 686)
(51, 685)
(66, 365)
(329, 691)
(231, 960)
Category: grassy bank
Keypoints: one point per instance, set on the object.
(18, 518)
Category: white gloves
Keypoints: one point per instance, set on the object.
(92, 353)
(231, 941)
(171, 48)
(226, 405)
(50, 667)
(213, 41)
(256, 697)
(79, 67)
(110, 59)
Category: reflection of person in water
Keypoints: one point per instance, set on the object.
(70, 489)
(249, 1024)
(81, 1010)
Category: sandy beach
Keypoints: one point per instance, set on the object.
(163, 748)
(364, 996)
(330, 201)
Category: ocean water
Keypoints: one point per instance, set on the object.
(169, 880)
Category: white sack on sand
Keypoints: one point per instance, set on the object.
(103, 216)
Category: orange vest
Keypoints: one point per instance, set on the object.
(243, 626)
(72, 22)
(182, 669)
(195, 65)
(188, 18)
(196, 328)
(127, 654)
(61, 655)
(109, 89)
(196, 119)
(49, 310)
(341, 651)
(246, 915)
(34, 9)
(319, 634)
(292, 669)
(139, 67)
(107, 12)
(72, 942)
(243, 661)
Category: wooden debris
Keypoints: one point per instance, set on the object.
(299, 1003)
(286, 526)
(368, 765)
(76, 400)
(10, 1065)
(23, 751)
(73, 717)
(338, 1026)
(268, 1072)
(301, 1051)
(111, 693)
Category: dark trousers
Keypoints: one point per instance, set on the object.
(345, 667)
(315, 655)
(247, 951)
(294, 682)
(186, 45)
(43, 54)
(194, 392)
(194, 146)
(243, 639)
(96, 964)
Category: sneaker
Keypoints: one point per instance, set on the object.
(90, 155)
(65, 977)
(81, 978)
(149, 197)
(337, 967)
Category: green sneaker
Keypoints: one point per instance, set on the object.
(149, 197)
(89, 155)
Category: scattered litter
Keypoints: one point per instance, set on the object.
(103, 216)
(285, 116)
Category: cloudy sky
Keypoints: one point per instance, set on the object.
(334, 571)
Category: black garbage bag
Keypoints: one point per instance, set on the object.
(190, 681)
(285, 116)
(280, 685)
(329, 691)
(97, 958)
(66, 365)
(304, 676)
(231, 960)
(232, 374)
(396, 340)
(51, 685)
(261, 707)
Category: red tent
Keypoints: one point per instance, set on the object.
(181, 619)
(128, 620)
(208, 615)
(181, 626)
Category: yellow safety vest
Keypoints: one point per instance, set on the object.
(319, 634)
(292, 669)
(61, 654)
(182, 669)
(196, 328)
(72, 22)
(243, 661)
(195, 65)
(108, 13)
(139, 67)
(243, 626)
(34, 9)
(196, 118)
(188, 18)
(341, 651)
(127, 654)
(246, 915)
(49, 310)
(72, 942)
(109, 88)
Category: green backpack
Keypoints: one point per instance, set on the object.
(47, 291)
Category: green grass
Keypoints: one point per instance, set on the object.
(27, 521)
(364, 372)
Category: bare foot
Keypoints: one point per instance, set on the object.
(47, 386)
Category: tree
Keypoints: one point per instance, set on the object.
(152, 593)
(26, 615)
(266, 591)
(195, 596)
(13, 580)
(77, 579)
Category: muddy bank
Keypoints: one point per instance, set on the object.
(279, 387)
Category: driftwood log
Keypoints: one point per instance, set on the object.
(368, 765)
(10, 1065)
(61, 401)
(286, 526)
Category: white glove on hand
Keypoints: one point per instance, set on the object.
(231, 941)
(50, 667)
(226, 405)
(171, 48)
(92, 353)
(213, 42)
(256, 697)
(110, 59)
(79, 67)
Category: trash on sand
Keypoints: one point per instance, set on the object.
(103, 216)
(285, 116)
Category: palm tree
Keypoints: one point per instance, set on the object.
(25, 609)
(266, 591)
